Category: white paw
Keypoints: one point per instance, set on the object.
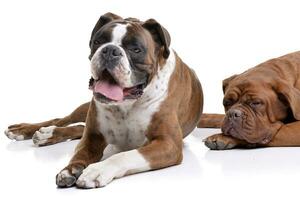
(41, 136)
(65, 179)
(13, 136)
(98, 175)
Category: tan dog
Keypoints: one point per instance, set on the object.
(145, 101)
(262, 106)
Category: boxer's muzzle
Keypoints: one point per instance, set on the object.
(113, 79)
(110, 57)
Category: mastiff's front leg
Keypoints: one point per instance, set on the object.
(225, 142)
(287, 136)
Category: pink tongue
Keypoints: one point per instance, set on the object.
(113, 92)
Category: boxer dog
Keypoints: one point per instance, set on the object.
(145, 101)
(262, 106)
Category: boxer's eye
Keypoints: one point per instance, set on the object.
(136, 50)
(96, 42)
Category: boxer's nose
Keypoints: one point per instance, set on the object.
(234, 114)
(111, 52)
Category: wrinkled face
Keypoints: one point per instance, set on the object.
(254, 111)
(123, 61)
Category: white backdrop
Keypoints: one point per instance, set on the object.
(44, 66)
(44, 45)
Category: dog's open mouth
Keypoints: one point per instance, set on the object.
(106, 89)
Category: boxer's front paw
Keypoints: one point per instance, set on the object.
(98, 175)
(44, 136)
(220, 142)
(68, 176)
(21, 131)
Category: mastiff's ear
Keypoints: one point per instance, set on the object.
(104, 19)
(226, 82)
(290, 95)
(160, 35)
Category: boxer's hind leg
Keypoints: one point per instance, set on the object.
(287, 136)
(210, 120)
(25, 130)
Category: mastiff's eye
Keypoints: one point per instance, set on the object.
(96, 42)
(255, 104)
(227, 102)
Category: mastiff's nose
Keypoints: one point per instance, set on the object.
(111, 52)
(234, 114)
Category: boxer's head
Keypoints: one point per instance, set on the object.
(125, 55)
(257, 105)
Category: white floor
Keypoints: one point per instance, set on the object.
(29, 172)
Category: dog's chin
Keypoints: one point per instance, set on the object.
(249, 137)
(233, 131)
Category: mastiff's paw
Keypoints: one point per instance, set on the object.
(68, 176)
(44, 136)
(220, 142)
(21, 131)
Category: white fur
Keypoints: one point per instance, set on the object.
(77, 124)
(118, 33)
(123, 71)
(101, 173)
(41, 136)
(125, 124)
(63, 175)
(110, 150)
(13, 136)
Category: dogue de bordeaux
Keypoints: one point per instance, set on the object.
(145, 101)
(262, 107)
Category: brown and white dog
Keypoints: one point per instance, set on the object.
(145, 101)
(262, 106)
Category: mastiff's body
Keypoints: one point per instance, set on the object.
(145, 101)
(262, 106)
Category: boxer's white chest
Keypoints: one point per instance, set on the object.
(125, 124)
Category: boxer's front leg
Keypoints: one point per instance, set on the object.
(89, 150)
(287, 136)
(165, 149)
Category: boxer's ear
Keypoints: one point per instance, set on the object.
(159, 34)
(104, 19)
(291, 95)
(226, 82)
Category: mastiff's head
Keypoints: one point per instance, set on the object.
(257, 103)
(125, 55)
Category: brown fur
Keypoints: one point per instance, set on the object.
(178, 116)
(211, 120)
